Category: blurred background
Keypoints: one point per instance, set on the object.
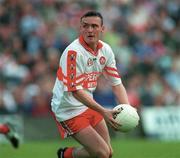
(145, 38)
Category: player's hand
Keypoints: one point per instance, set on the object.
(109, 116)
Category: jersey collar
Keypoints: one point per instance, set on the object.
(84, 44)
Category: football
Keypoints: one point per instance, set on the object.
(127, 117)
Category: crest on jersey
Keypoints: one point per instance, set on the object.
(90, 62)
(102, 60)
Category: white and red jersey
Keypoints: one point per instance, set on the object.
(79, 68)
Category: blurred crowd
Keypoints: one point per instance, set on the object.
(144, 35)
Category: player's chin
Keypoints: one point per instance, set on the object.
(91, 41)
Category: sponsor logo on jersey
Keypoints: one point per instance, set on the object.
(102, 60)
(91, 80)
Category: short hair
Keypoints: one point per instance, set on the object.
(92, 14)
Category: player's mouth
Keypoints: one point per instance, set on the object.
(90, 36)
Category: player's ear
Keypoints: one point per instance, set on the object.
(103, 28)
(80, 28)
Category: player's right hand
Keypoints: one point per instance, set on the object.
(108, 115)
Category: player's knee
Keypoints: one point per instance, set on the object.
(103, 153)
(111, 152)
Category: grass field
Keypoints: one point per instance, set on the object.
(123, 148)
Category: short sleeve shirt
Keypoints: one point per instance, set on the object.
(79, 68)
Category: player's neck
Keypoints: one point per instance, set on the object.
(93, 47)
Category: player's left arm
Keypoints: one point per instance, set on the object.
(112, 74)
(120, 93)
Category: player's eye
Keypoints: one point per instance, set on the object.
(87, 26)
(94, 26)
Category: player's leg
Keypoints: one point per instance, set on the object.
(9, 131)
(103, 131)
(4, 129)
(94, 145)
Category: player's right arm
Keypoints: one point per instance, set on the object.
(87, 100)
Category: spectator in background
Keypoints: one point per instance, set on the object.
(7, 101)
(103, 93)
(30, 30)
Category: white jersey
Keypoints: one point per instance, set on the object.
(79, 68)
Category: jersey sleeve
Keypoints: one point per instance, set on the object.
(110, 70)
(71, 71)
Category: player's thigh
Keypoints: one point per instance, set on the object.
(91, 141)
(103, 131)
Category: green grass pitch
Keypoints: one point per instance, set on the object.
(123, 148)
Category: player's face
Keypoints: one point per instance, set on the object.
(91, 29)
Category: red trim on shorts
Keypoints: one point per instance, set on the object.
(60, 129)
